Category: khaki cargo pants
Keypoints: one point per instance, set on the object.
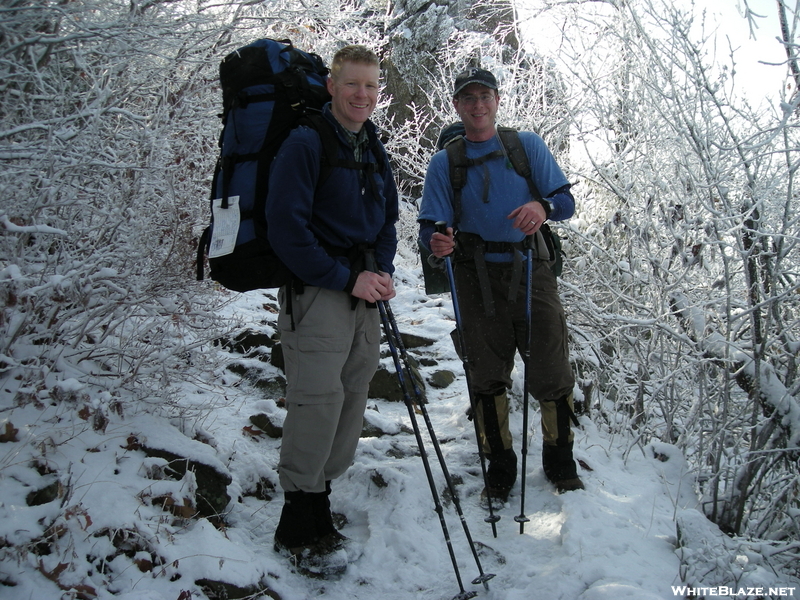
(331, 356)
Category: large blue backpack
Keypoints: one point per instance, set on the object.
(267, 88)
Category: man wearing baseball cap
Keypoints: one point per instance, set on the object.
(491, 220)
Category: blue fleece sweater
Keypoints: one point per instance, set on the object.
(342, 212)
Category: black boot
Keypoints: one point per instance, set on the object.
(298, 538)
(501, 474)
(502, 470)
(296, 529)
(323, 518)
(559, 467)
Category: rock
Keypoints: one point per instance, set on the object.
(273, 387)
(371, 430)
(259, 377)
(411, 340)
(265, 424)
(249, 340)
(386, 385)
(44, 495)
(441, 379)
(212, 486)
(276, 358)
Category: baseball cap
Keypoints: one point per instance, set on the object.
(474, 75)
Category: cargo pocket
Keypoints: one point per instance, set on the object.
(364, 355)
(314, 368)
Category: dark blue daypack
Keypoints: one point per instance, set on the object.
(267, 87)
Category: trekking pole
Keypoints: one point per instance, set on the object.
(441, 227)
(463, 594)
(398, 340)
(521, 518)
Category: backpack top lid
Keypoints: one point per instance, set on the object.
(449, 133)
(271, 62)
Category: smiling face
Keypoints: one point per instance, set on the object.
(354, 93)
(477, 106)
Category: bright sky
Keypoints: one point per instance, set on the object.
(752, 49)
(756, 48)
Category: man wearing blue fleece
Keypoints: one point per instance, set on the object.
(488, 221)
(326, 213)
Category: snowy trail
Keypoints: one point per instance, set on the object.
(613, 540)
(616, 539)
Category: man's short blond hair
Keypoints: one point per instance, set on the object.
(353, 53)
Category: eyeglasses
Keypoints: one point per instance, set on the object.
(483, 98)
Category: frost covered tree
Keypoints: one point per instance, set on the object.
(681, 278)
(684, 278)
(99, 157)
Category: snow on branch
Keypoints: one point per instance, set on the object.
(14, 228)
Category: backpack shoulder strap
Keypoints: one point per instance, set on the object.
(551, 247)
(330, 145)
(330, 158)
(509, 137)
(457, 164)
(377, 150)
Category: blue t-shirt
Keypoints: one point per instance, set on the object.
(507, 189)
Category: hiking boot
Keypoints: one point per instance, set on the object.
(569, 485)
(501, 474)
(502, 470)
(499, 497)
(323, 519)
(297, 538)
(315, 560)
(560, 468)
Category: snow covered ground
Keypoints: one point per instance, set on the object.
(104, 536)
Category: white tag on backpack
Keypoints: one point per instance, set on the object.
(226, 227)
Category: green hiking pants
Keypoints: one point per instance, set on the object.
(492, 342)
